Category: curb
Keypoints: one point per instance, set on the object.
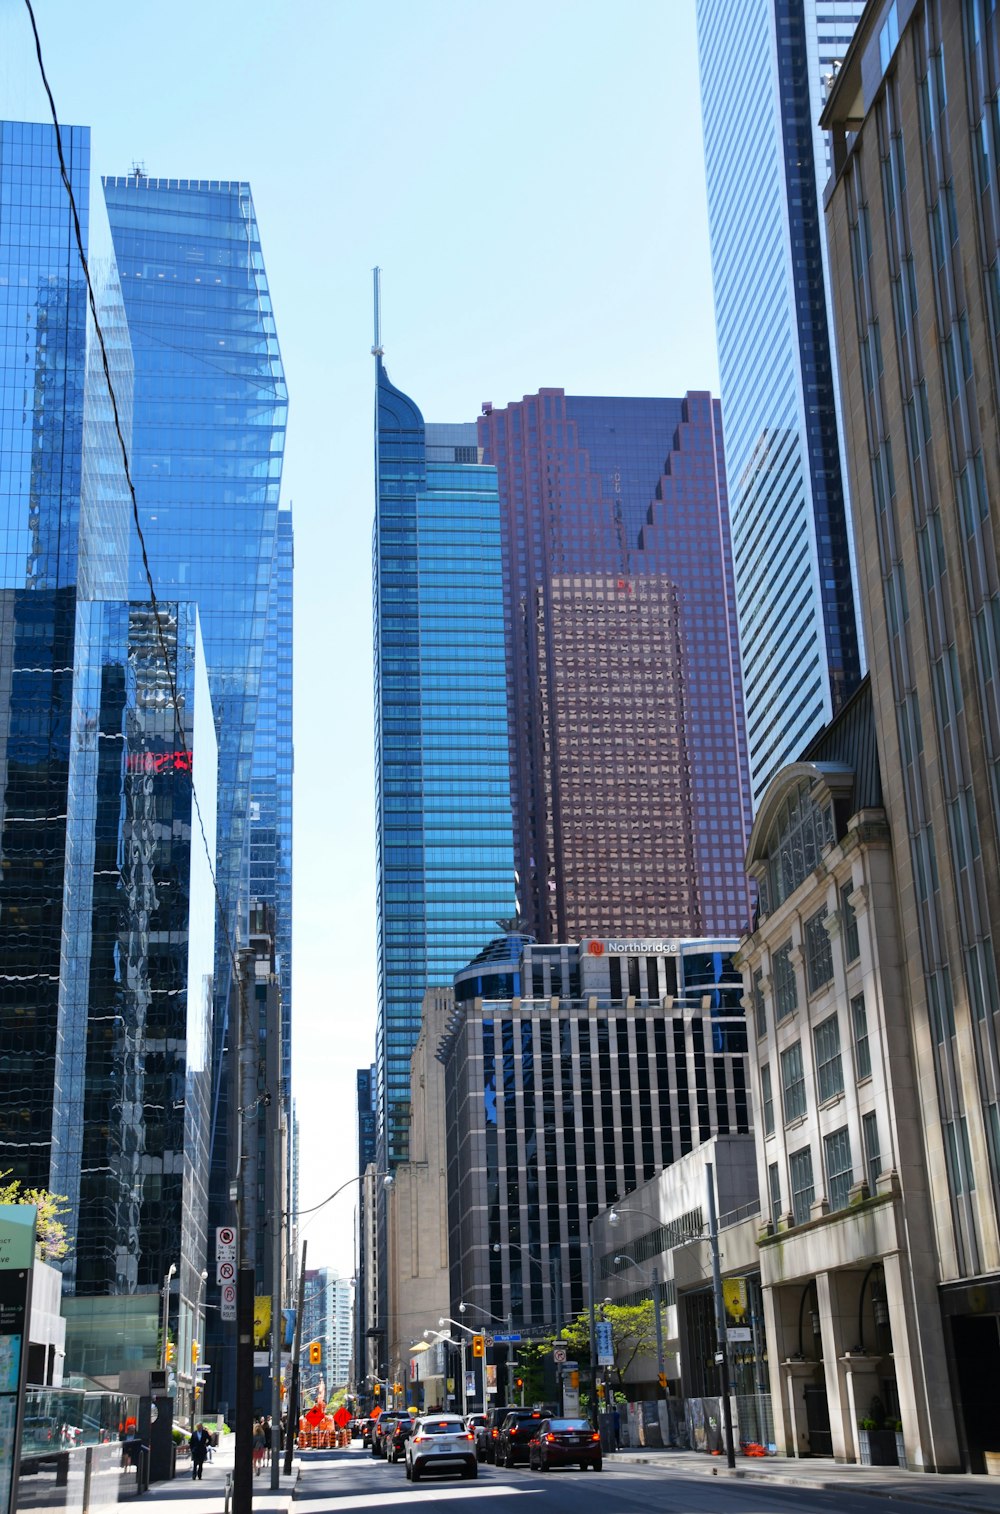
(944, 1498)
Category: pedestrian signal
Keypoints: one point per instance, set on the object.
(315, 1353)
(478, 1345)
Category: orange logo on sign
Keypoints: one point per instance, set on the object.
(596, 948)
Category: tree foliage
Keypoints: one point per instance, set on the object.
(51, 1241)
(633, 1334)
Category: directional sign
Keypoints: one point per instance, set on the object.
(225, 1272)
(227, 1308)
(559, 1355)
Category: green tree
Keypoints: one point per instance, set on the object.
(51, 1241)
(633, 1334)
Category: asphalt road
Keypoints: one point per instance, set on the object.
(344, 1481)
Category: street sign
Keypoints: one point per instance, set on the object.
(502, 1340)
(227, 1308)
(225, 1272)
(559, 1355)
(605, 1343)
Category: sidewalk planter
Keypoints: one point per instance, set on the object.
(992, 1459)
(883, 1447)
(864, 1448)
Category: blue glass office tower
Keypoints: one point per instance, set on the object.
(445, 864)
(763, 64)
(270, 859)
(106, 916)
(208, 441)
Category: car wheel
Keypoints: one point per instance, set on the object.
(470, 1472)
(597, 1466)
(407, 1471)
(414, 1473)
(543, 1464)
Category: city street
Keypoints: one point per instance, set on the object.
(352, 1479)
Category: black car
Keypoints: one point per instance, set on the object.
(564, 1443)
(515, 1433)
(395, 1439)
(381, 1428)
(491, 1434)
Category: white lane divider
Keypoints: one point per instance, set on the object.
(438, 1494)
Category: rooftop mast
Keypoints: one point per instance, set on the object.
(377, 349)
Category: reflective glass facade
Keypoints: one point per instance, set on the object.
(627, 748)
(270, 858)
(445, 867)
(133, 1054)
(763, 64)
(208, 440)
(64, 536)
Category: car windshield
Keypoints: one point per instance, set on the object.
(569, 1424)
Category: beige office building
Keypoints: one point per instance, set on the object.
(913, 218)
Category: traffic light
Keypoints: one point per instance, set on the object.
(171, 1353)
(377, 1389)
(315, 1353)
(662, 1379)
(478, 1345)
(195, 1353)
(519, 1382)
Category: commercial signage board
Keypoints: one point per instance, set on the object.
(17, 1255)
(605, 1343)
(735, 1304)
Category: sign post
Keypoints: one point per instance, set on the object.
(17, 1255)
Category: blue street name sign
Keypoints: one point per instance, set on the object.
(502, 1340)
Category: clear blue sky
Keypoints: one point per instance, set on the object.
(529, 175)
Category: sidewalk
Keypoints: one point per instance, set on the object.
(208, 1495)
(949, 1490)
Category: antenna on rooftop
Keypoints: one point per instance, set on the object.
(138, 170)
(377, 348)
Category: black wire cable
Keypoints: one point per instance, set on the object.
(154, 602)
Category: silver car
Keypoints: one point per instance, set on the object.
(440, 1441)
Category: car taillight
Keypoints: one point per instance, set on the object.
(595, 1436)
(495, 1434)
(418, 1438)
(469, 1436)
(550, 1437)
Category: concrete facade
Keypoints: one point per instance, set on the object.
(847, 1275)
(913, 217)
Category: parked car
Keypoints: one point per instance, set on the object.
(395, 1440)
(477, 1424)
(564, 1443)
(440, 1441)
(494, 1420)
(515, 1433)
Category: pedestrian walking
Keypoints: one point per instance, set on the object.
(200, 1443)
(259, 1446)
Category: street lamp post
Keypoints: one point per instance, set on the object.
(446, 1320)
(722, 1342)
(661, 1368)
(166, 1313)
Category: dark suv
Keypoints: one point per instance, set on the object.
(491, 1433)
(395, 1439)
(515, 1433)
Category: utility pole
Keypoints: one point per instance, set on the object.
(277, 1330)
(293, 1390)
(245, 1080)
(594, 1417)
(722, 1342)
(661, 1366)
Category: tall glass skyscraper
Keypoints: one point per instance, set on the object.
(208, 441)
(445, 864)
(107, 924)
(764, 64)
(627, 747)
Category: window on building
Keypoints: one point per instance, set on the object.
(767, 1098)
(873, 1154)
(862, 1049)
(839, 1171)
(798, 837)
(958, 1156)
(774, 1192)
(800, 1177)
(852, 946)
(793, 1083)
(819, 953)
(783, 976)
(829, 1067)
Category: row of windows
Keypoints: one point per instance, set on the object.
(827, 1064)
(839, 1170)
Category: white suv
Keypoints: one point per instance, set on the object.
(440, 1440)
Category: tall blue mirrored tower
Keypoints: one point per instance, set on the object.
(763, 69)
(445, 861)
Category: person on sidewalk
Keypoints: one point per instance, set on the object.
(259, 1446)
(200, 1442)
